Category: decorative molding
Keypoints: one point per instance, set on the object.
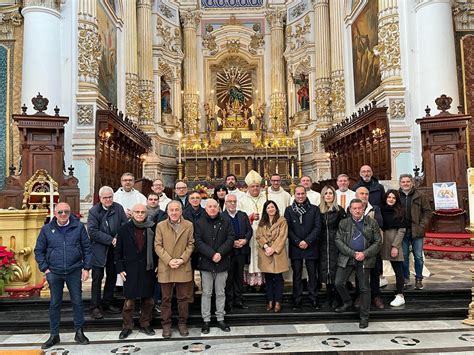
(85, 115)
(233, 45)
(221, 4)
(10, 18)
(171, 36)
(297, 10)
(147, 104)
(89, 52)
(323, 100)
(190, 19)
(256, 40)
(397, 109)
(338, 104)
(463, 15)
(132, 96)
(51, 4)
(209, 40)
(297, 39)
(389, 47)
(275, 17)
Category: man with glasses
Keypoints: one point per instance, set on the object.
(158, 188)
(181, 191)
(127, 196)
(63, 253)
(277, 194)
(103, 223)
(234, 288)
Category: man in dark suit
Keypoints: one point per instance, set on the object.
(243, 233)
(304, 227)
(181, 193)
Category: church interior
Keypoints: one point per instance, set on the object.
(192, 91)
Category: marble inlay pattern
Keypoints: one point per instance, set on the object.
(196, 347)
(402, 340)
(336, 342)
(467, 337)
(125, 349)
(3, 112)
(57, 351)
(266, 344)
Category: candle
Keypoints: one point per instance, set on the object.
(292, 169)
(299, 143)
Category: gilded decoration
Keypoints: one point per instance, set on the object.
(297, 38)
(209, 40)
(233, 45)
(21, 269)
(85, 115)
(256, 40)
(276, 17)
(90, 52)
(338, 104)
(171, 36)
(397, 108)
(147, 107)
(10, 18)
(38, 190)
(132, 96)
(389, 46)
(190, 19)
(323, 101)
(463, 14)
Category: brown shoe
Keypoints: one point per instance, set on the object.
(183, 330)
(269, 306)
(378, 303)
(277, 307)
(166, 332)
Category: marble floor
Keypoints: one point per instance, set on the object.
(388, 337)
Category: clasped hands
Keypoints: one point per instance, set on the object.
(175, 263)
(303, 245)
(359, 256)
(239, 243)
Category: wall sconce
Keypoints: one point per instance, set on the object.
(143, 157)
(378, 132)
(105, 134)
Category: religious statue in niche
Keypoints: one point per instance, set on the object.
(165, 96)
(303, 91)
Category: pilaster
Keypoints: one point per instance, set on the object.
(132, 94)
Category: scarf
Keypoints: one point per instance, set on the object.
(150, 236)
(300, 209)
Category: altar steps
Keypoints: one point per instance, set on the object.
(454, 246)
(32, 315)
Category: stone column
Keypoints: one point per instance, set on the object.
(323, 62)
(145, 61)
(276, 19)
(132, 96)
(436, 53)
(336, 15)
(389, 42)
(190, 21)
(41, 70)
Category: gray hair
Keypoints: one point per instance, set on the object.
(174, 202)
(355, 200)
(406, 176)
(342, 175)
(225, 198)
(105, 189)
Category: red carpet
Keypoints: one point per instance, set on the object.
(454, 246)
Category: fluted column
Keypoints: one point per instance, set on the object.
(41, 71)
(276, 19)
(132, 96)
(336, 15)
(436, 52)
(389, 42)
(89, 52)
(145, 61)
(323, 61)
(190, 21)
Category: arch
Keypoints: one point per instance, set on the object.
(165, 70)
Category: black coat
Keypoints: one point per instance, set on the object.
(246, 231)
(211, 236)
(309, 231)
(376, 190)
(328, 251)
(139, 282)
(103, 226)
(192, 215)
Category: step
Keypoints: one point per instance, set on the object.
(448, 249)
(434, 235)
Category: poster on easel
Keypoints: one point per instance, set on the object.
(445, 195)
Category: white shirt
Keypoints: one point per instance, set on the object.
(350, 195)
(129, 199)
(281, 198)
(163, 201)
(313, 197)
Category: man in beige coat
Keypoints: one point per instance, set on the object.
(174, 245)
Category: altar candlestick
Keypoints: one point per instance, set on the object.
(299, 143)
(292, 169)
(179, 147)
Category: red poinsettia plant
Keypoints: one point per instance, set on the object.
(7, 259)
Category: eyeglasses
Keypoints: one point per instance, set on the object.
(139, 212)
(127, 180)
(107, 197)
(230, 201)
(63, 212)
(181, 188)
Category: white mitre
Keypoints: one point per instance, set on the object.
(253, 178)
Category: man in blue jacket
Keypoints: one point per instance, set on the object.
(304, 228)
(103, 223)
(63, 253)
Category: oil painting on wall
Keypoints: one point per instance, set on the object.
(365, 63)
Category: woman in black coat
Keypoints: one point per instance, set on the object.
(331, 215)
(135, 261)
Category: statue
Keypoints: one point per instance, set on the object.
(165, 96)
(303, 92)
(236, 93)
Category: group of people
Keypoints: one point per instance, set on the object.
(153, 245)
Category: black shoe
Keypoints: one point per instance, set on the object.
(112, 309)
(147, 330)
(315, 305)
(228, 308)
(343, 308)
(97, 314)
(240, 305)
(52, 341)
(205, 328)
(223, 326)
(296, 306)
(125, 333)
(80, 337)
(364, 323)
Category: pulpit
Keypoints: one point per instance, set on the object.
(42, 147)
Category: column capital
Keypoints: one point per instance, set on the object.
(10, 18)
(51, 4)
(463, 14)
(317, 3)
(190, 19)
(144, 3)
(276, 17)
(422, 3)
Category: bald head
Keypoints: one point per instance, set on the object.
(366, 173)
(62, 211)
(212, 207)
(362, 193)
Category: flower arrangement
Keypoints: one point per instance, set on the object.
(202, 190)
(7, 259)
